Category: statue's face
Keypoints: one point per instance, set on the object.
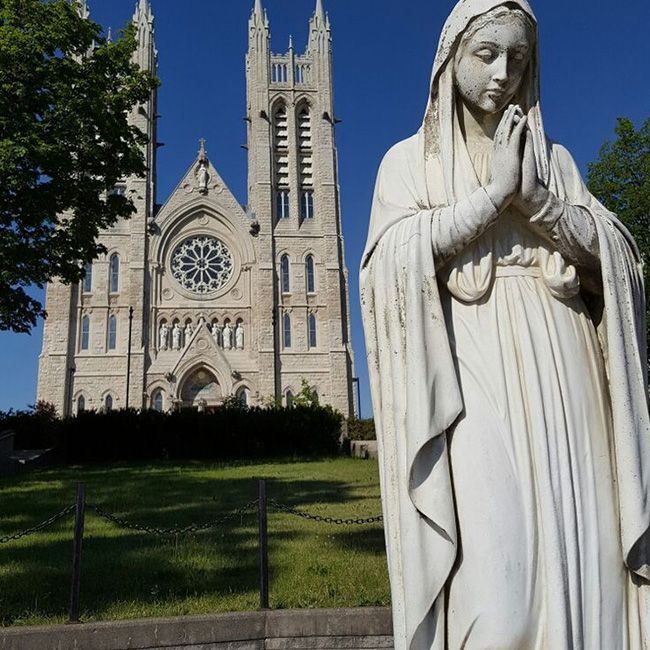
(490, 65)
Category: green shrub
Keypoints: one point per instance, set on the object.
(229, 432)
(361, 429)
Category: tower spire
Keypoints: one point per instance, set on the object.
(82, 9)
(259, 10)
(320, 12)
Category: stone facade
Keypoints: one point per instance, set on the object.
(226, 300)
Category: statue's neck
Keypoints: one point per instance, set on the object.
(478, 128)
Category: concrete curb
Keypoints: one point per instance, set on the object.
(367, 628)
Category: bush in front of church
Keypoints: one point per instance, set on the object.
(227, 433)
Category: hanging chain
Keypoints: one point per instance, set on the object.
(326, 520)
(44, 524)
(174, 530)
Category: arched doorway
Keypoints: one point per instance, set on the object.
(201, 389)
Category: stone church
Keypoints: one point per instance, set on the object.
(202, 298)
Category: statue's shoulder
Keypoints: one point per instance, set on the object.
(400, 155)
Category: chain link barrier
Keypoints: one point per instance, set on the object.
(35, 529)
(191, 528)
(281, 507)
(174, 530)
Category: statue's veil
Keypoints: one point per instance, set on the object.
(438, 133)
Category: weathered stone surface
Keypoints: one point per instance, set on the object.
(334, 629)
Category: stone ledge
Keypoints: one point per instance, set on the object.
(305, 629)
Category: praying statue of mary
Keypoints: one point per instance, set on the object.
(504, 318)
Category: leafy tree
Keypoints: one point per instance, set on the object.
(307, 395)
(620, 180)
(65, 141)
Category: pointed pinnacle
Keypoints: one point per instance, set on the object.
(203, 154)
(258, 11)
(142, 11)
(82, 9)
(290, 42)
(320, 12)
(109, 36)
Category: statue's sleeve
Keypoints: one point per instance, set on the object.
(399, 194)
(571, 229)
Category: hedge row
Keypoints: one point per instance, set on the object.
(148, 435)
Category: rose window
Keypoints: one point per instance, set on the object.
(202, 264)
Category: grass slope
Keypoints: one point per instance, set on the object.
(127, 574)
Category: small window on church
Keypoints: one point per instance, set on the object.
(307, 204)
(289, 399)
(115, 273)
(284, 273)
(312, 331)
(118, 190)
(158, 401)
(112, 333)
(108, 403)
(242, 396)
(310, 279)
(282, 204)
(287, 330)
(81, 404)
(88, 278)
(84, 343)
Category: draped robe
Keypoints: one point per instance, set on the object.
(429, 211)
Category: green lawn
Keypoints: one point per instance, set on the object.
(127, 574)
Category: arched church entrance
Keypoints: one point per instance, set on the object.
(201, 390)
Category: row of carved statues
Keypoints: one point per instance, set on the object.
(177, 337)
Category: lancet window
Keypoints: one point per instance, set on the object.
(112, 333)
(84, 343)
(312, 331)
(157, 401)
(285, 277)
(306, 164)
(88, 278)
(114, 270)
(108, 402)
(310, 280)
(286, 327)
(281, 160)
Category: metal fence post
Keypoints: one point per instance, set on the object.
(79, 517)
(263, 545)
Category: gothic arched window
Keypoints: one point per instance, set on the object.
(306, 204)
(310, 279)
(158, 401)
(312, 331)
(112, 333)
(108, 403)
(285, 278)
(286, 330)
(84, 343)
(242, 396)
(81, 403)
(289, 398)
(115, 273)
(88, 278)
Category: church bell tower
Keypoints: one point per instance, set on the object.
(294, 195)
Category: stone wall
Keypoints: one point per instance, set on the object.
(324, 629)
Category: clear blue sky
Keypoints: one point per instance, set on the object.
(595, 67)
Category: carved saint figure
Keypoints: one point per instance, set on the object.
(512, 411)
(163, 337)
(187, 334)
(203, 177)
(176, 336)
(216, 333)
(239, 336)
(227, 336)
